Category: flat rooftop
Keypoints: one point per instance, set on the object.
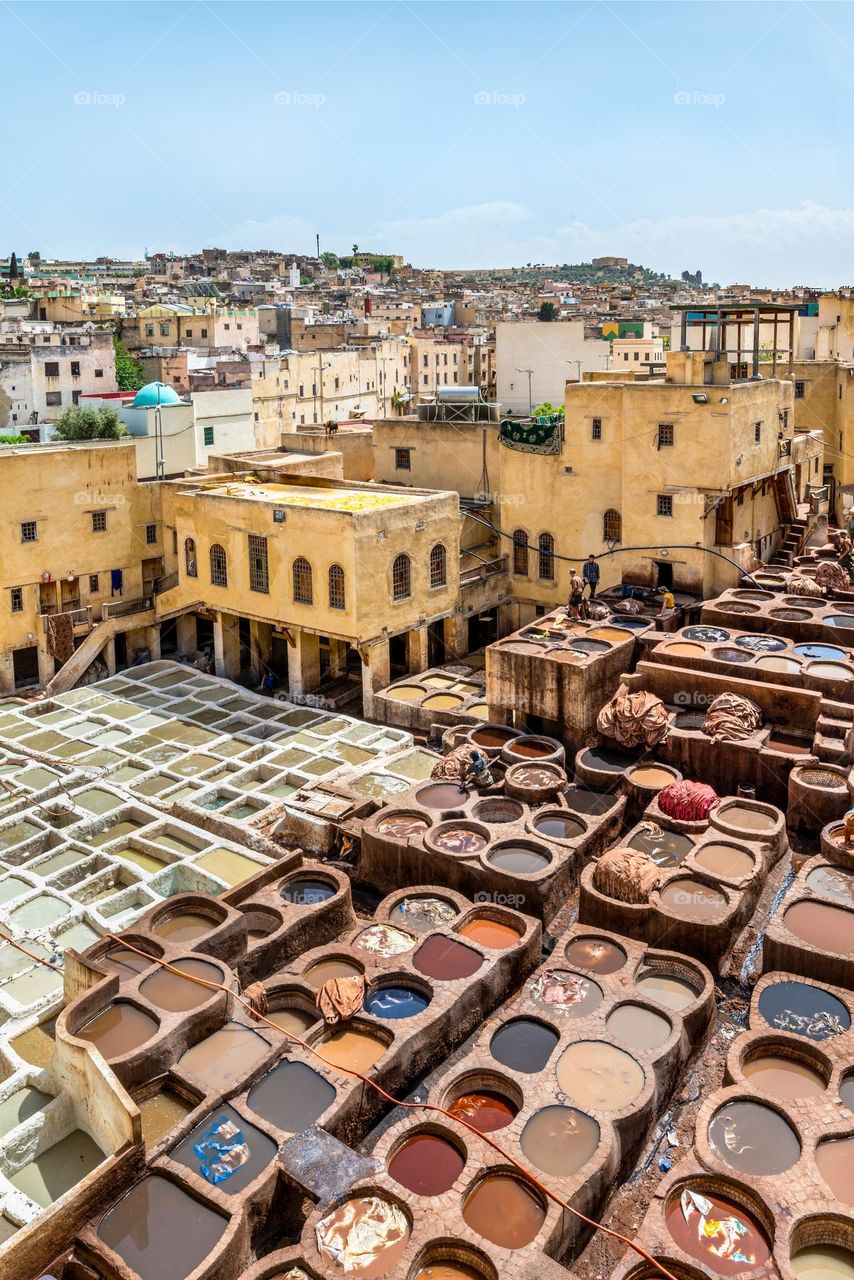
(319, 499)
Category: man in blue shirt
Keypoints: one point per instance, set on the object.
(590, 574)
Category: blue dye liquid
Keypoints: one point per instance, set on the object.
(396, 1002)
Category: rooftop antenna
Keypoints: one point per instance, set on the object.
(317, 238)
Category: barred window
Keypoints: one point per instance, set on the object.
(190, 557)
(596, 429)
(546, 557)
(151, 534)
(665, 434)
(438, 566)
(302, 581)
(337, 598)
(401, 577)
(259, 574)
(664, 504)
(612, 526)
(93, 584)
(520, 553)
(29, 531)
(219, 566)
(99, 522)
(17, 594)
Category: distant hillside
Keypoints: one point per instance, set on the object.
(585, 273)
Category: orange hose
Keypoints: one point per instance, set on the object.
(38, 959)
(410, 1106)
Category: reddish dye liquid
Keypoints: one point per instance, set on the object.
(489, 933)
(446, 960)
(426, 1164)
(485, 1112)
(596, 954)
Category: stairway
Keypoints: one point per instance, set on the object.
(835, 720)
(791, 545)
(82, 657)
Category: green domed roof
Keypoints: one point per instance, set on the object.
(154, 393)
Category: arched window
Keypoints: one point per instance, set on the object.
(190, 558)
(302, 581)
(520, 553)
(546, 557)
(438, 566)
(401, 577)
(219, 566)
(336, 587)
(612, 526)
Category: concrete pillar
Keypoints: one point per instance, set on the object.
(185, 633)
(303, 664)
(417, 650)
(456, 637)
(337, 658)
(47, 667)
(152, 642)
(376, 674)
(227, 645)
(7, 673)
(260, 648)
(508, 619)
(108, 653)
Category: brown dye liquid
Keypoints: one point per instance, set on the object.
(121, 1028)
(559, 828)
(225, 1057)
(446, 960)
(784, 1077)
(686, 649)
(490, 933)
(752, 1138)
(835, 1161)
(36, 1045)
(823, 1262)
(127, 964)
(666, 848)
(402, 827)
(673, 993)
(294, 1020)
(460, 840)
(823, 926)
(492, 738)
(503, 1209)
(344, 1226)
(692, 901)
(638, 1027)
(846, 1092)
(599, 1076)
(596, 954)
(832, 882)
(442, 795)
(485, 1111)
(518, 860)
(651, 776)
(724, 860)
(738, 815)
(530, 750)
(426, 1164)
(291, 1096)
(704, 1235)
(160, 1231)
(168, 991)
(161, 1114)
(560, 1140)
(321, 972)
(355, 1049)
(448, 1271)
(186, 926)
(533, 775)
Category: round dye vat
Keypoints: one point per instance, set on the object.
(674, 993)
(567, 992)
(442, 795)
(498, 809)
(402, 826)
(784, 1077)
(485, 1111)
(724, 860)
(829, 671)
(293, 1020)
(846, 1091)
(168, 991)
(396, 1003)
(558, 826)
(459, 840)
(445, 959)
(518, 859)
(592, 803)
(666, 848)
(425, 913)
(685, 649)
(127, 964)
(353, 1048)
(426, 1164)
(384, 940)
(804, 1010)
(823, 926)
(120, 1029)
(446, 1269)
(638, 1027)
(717, 1232)
(727, 654)
(607, 761)
(321, 972)
(560, 1140)
(760, 644)
(835, 1161)
(831, 652)
(491, 933)
(613, 634)
(752, 1138)
(503, 1209)
(404, 693)
(745, 817)
(524, 1045)
(185, 926)
(596, 954)
(291, 1096)
(492, 737)
(442, 702)
(533, 775)
(590, 646)
(771, 662)
(823, 1262)
(351, 1226)
(653, 776)
(529, 747)
(832, 882)
(839, 620)
(706, 635)
(791, 615)
(479, 709)
(160, 1231)
(599, 1076)
(693, 901)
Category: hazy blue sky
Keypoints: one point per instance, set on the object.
(682, 135)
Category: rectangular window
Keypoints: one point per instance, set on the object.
(17, 594)
(164, 330)
(149, 331)
(664, 504)
(665, 434)
(800, 390)
(51, 368)
(75, 368)
(53, 398)
(596, 429)
(99, 373)
(757, 432)
(204, 333)
(29, 531)
(208, 433)
(259, 576)
(151, 534)
(403, 459)
(94, 585)
(99, 522)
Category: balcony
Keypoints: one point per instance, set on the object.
(488, 569)
(123, 608)
(80, 618)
